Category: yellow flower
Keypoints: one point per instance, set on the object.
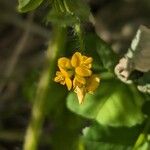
(64, 63)
(76, 73)
(64, 75)
(60, 78)
(92, 83)
(78, 81)
(82, 64)
(88, 86)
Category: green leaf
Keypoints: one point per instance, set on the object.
(98, 137)
(79, 8)
(68, 12)
(91, 50)
(106, 54)
(103, 56)
(105, 146)
(144, 146)
(28, 5)
(62, 19)
(82, 12)
(113, 104)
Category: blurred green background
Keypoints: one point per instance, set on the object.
(22, 58)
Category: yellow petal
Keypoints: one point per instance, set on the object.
(83, 71)
(59, 77)
(93, 83)
(80, 79)
(57, 73)
(64, 73)
(76, 59)
(88, 60)
(88, 66)
(76, 83)
(64, 63)
(68, 83)
(80, 94)
(62, 82)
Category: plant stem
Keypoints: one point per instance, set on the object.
(79, 33)
(43, 89)
(142, 137)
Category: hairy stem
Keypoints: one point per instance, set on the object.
(40, 101)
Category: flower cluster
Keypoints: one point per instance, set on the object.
(76, 74)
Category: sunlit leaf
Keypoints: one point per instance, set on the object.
(99, 137)
(114, 104)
